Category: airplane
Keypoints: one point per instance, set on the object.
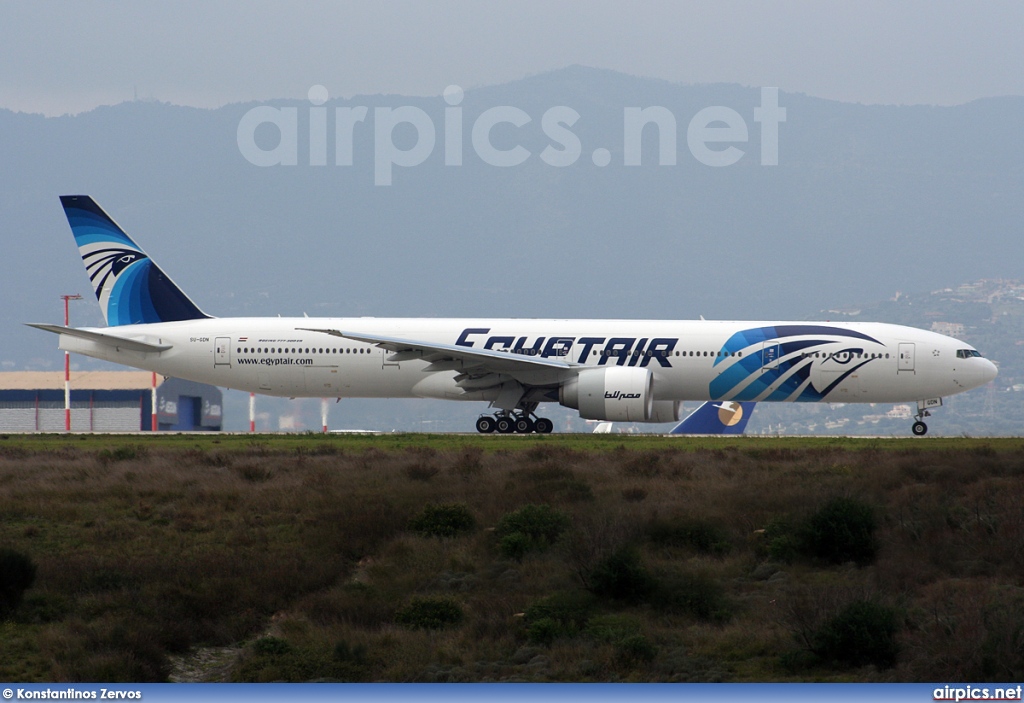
(728, 417)
(611, 370)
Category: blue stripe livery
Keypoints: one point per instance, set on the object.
(775, 363)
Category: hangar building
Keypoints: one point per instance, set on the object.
(105, 401)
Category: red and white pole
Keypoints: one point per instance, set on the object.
(323, 413)
(252, 412)
(67, 365)
(154, 423)
(67, 389)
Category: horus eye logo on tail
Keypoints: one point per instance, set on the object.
(106, 264)
(130, 287)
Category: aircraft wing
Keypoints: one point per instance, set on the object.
(452, 357)
(110, 340)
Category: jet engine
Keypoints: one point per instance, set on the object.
(665, 410)
(617, 394)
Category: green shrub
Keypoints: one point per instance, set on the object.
(515, 546)
(469, 462)
(563, 614)
(128, 452)
(40, 608)
(445, 520)
(532, 528)
(694, 594)
(271, 646)
(421, 471)
(703, 536)
(623, 632)
(277, 661)
(344, 653)
(17, 574)
(635, 649)
(545, 631)
(862, 633)
(430, 613)
(643, 465)
(781, 541)
(621, 576)
(611, 628)
(841, 531)
(571, 490)
(254, 473)
(350, 663)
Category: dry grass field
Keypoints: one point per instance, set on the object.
(418, 558)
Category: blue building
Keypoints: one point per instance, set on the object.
(106, 401)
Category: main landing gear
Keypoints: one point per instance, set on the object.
(507, 423)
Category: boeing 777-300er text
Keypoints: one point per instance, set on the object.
(615, 370)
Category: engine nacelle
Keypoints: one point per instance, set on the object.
(665, 410)
(617, 394)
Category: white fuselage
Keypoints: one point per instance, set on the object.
(690, 360)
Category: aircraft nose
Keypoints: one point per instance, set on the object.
(989, 371)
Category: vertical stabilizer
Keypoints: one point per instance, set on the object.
(131, 288)
(726, 417)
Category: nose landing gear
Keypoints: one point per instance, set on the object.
(508, 423)
(919, 428)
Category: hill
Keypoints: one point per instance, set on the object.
(864, 200)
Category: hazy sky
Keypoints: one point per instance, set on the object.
(58, 57)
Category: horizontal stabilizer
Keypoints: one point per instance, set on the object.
(109, 340)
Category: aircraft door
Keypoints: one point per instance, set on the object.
(770, 356)
(906, 357)
(222, 351)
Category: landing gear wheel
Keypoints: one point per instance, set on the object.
(506, 425)
(485, 424)
(524, 425)
(542, 425)
(919, 428)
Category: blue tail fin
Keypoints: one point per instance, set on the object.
(729, 417)
(130, 287)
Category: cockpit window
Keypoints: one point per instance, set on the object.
(967, 353)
